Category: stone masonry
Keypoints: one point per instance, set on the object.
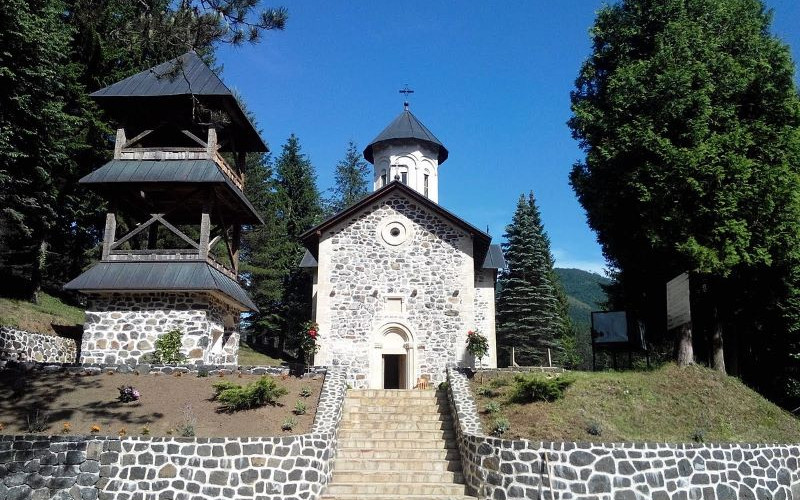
(19, 345)
(267, 468)
(501, 469)
(425, 283)
(120, 328)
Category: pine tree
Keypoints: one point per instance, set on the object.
(297, 205)
(530, 316)
(351, 180)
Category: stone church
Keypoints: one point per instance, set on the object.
(399, 280)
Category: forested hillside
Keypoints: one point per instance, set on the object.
(585, 294)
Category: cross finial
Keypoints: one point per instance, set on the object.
(405, 91)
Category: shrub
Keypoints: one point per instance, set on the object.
(202, 372)
(128, 393)
(300, 408)
(492, 407)
(259, 393)
(186, 428)
(168, 348)
(532, 388)
(443, 386)
(288, 424)
(594, 429)
(485, 391)
(37, 421)
(698, 435)
(500, 426)
(305, 392)
(499, 382)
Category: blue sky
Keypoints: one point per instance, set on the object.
(491, 81)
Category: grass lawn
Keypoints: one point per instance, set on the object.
(39, 317)
(253, 356)
(670, 404)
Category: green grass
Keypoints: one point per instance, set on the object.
(39, 317)
(670, 404)
(251, 357)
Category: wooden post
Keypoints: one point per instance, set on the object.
(211, 145)
(237, 231)
(205, 227)
(119, 144)
(109, 234)
(152, 236)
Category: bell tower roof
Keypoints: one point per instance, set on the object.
(406, 126)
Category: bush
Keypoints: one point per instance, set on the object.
(168, 348)
(594, 429)
(485, 391)
(235, 397)
(532, 388)
(305, 391)
(300, 408)
(288, 424)
(500, 426)
(492, 407)
(128, 393)
(37, 422)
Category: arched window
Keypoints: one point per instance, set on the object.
(383, 177)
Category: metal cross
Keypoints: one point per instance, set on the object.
(405, 91)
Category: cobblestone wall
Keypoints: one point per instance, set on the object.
(269, 468)
(26, 346)
(121, 328)
(504, 469)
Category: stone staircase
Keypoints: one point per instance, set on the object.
(396, 444)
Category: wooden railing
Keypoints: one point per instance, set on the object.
(176, 153)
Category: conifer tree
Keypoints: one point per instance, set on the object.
(297, 206)
(530, 317)
(351, 180)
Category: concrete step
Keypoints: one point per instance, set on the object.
(336, 489)
(397, 434)
(394, 410)
(395, 444)
(370, 426)
(396, 497)
(351, 404)
(394, 477)
(394, 393)
(357, 416)
(431, 455)
(396, 464)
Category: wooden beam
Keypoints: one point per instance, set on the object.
(139, 229)
(193, 137)
(237, 231)
(137, 138)
(205, 227)
(214, 241)
(109, 234)
(211, 145)
(119, 144)
(177, 231)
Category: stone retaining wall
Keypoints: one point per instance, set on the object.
(144, 369)
(269, 468)
(500, 469)
(27, 346)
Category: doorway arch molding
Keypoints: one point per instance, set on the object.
(392, 338)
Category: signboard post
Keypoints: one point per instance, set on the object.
(615, 331)
(679, 316)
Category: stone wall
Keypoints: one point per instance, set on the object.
(420, 281)
(281, 467)
(485, 313)
(121, 328)
(20, 345)
(499, 469)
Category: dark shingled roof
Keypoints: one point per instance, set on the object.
(482, 240)
(308, 260)
(167, 171)
(193, 77)
(160, 276)
(494, 258)
(406, 126)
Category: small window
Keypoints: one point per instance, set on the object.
(383, 178)
(425, 184)
(404, 177)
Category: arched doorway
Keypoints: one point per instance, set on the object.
(393, 359)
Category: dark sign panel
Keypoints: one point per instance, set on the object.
(678, 311)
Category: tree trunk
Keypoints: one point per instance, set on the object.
(37, 269)
(684, 351)
(717, 352)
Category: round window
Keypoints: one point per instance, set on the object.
(394, 233)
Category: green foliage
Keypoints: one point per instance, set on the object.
(492, 407)
(305, 392)
(300, 407)
(500, 426)
(288, 424)
(530, 317)
(444, 385)
(351, 180)
(234, 397)
(168, 348)
(477, 344)
(594, 429)
(187, 427)
(36, 421)
(531, 388)
(485, 391)
(688, 114)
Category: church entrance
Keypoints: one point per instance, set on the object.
(394, 371)
(392, 360)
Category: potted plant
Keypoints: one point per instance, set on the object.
(308, 342)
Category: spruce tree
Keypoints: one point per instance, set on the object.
(351, 181)
(529, 315)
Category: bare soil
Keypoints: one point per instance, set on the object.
(73, 404)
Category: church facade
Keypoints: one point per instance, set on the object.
(399, 280)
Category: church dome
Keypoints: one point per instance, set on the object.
(406, 126)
